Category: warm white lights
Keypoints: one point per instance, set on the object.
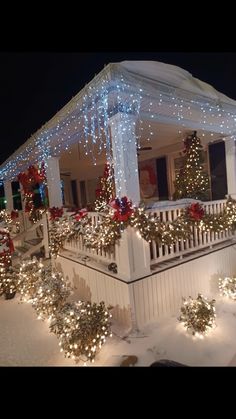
(227, 287)
(198, 315)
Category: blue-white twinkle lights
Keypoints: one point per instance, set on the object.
(85, 120)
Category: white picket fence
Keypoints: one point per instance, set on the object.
(199, 239)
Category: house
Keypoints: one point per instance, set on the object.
(136, 115)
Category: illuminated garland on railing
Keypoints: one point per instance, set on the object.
(105, 234)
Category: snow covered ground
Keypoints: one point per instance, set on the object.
(26, 341)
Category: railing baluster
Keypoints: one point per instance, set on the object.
(199, 239)
(159, 253)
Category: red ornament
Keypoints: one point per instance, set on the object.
(195, 211)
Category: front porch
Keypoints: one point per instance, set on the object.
(114, 119)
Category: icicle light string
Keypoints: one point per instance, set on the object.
(60, 136)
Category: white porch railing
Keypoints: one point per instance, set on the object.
(24, 223)
(199, 239)
(28, 230)
(78, 247)
(166, 211)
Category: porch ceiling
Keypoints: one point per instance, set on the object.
(163, 139)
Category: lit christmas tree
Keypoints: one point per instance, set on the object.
(106, 191)
(192, 181)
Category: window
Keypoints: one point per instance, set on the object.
(83, 193)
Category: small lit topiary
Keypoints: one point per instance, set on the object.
(227, 287)
(82, 329)
(51, 293)
(8, 281)
(30, 272)
(198, 315)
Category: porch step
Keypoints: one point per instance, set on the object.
(21, 249)
(33, 242)
(28, 248)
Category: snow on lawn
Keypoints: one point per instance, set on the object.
(26, 341)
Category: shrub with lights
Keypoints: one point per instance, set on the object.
(5, 220)
(227, 287)
(30, 272)
(51, 293)
(198, 315)
(82, 329)
(8, 275)
(8, 281)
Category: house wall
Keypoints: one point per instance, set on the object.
(67, 189)
(161, 294)
(90, 174)
(85, 170)
(157, 296)
(95, 286)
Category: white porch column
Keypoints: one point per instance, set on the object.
(8, 195)
(54, 182)
(132, 256)
(230, 158)
(132, 252)
(125, 156)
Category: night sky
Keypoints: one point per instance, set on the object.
(34, 86)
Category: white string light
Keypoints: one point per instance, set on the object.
(86, 118)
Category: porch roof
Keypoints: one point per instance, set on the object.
(151, 90)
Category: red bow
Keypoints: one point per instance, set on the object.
(195, 211)
(81, 214)
(55, 213)
(123, 209)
